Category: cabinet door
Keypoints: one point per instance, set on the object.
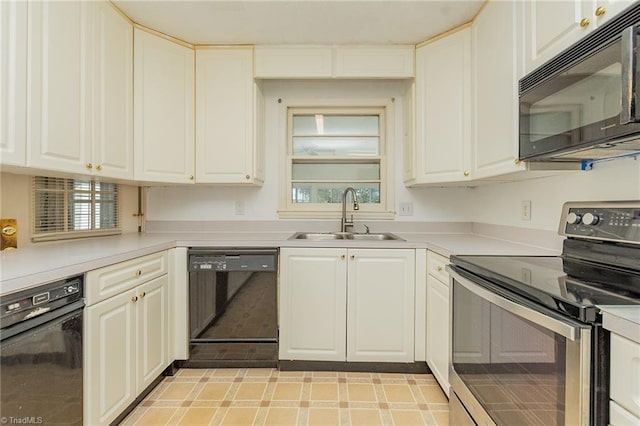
(225, 137)
(113, 93)
(380, 315)
(438, 331)
(495, 71)
(443, 102)
(153, 330)
(58, 109)
(552, 26)
(13, 82)
(313, 300)
(611, 8)
(109, 358)
(163, 110)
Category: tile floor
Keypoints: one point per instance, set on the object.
(271, 397)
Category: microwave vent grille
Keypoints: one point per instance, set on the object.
(603, 36)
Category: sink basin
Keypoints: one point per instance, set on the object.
(319, 236)
(385, 236)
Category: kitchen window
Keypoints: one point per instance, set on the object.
(331, 149)
(73, 208)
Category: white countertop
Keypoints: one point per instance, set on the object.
(45, 262)
(622, 320)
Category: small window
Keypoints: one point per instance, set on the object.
(71, 208)
(331, 149)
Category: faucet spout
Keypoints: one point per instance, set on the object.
(344, 223)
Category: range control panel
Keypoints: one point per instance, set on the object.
(611, 221)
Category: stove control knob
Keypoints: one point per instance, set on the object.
(590, 219)
(573, 218)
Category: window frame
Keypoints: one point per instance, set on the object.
(64, 213)
(383, 108)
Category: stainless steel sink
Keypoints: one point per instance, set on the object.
(320, 236)
(384, 236)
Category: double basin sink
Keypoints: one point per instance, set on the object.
(323, 236)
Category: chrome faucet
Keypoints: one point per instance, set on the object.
(348, 222)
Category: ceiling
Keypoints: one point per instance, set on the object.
(301, 21)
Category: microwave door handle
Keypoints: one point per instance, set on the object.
(629, 44)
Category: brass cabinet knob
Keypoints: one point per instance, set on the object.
(134, 299)
(143, 294)
(99, 167)
(248, 177)
(342, 257)
(89, 166)
(138, 273)
(439, 268)
(191, 177)
(516, 161)
(585, 22)
(353, 256)
(601, 11)
(466, 173)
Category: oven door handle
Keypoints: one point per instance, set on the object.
(566, 328)
(630, 97)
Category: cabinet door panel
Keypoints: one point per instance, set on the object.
(153, 328)
(13, 82)
(163, 110)
(113, 93)
(380, 319)
(313, 304)
(58, 78)
(438, 331)
(109, 358)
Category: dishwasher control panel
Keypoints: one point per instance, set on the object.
(231, 262)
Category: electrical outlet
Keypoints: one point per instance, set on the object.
(525, 210)
(239, 207)
(406, 209)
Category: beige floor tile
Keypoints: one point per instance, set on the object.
(250, 391)
(287, 392)
(324, 392)
(196, 416)
(156, 416)
(239, 416)
(325, 374)
(365, 417)
(398, 393)
(433, 394)
(294, 374)
(358, 375)
(177, 391)
(226, 372)
(281, 416)
(191, 372)
(442, 417)
(214, 391)
(324, 416)
(259, 372)
(407, 417)
(361, 392)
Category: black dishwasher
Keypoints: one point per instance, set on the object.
(233, 315)
(41, 354)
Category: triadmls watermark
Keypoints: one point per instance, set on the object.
(26, 420)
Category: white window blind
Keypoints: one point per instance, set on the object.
(72, 208)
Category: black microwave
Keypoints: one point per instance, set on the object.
(584, 104)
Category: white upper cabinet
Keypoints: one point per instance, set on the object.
(374, 62)
(443, 102)
(113, 93)
(551, 27)
(58, 106)
(495, 73)
(334, 62)
(79, 107)
(229, 139)
(163, 110)
(13, 82)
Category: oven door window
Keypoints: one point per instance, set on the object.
(580, 105)
(514, 368)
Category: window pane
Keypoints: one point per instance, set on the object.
(336, 146)
(321, 124)
(50, 183)
(50, 212)
(304, 192)
(79, 211)
(336, 171)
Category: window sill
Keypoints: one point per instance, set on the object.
(74, 235)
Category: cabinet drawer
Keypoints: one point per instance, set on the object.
(105, 282)
(618, 416)
(436, 266)
(625, 363)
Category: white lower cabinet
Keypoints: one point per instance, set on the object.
(438, 348)
(625, 385)
(126, 348)
(347, 304)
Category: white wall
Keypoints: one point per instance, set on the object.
(15, 203)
